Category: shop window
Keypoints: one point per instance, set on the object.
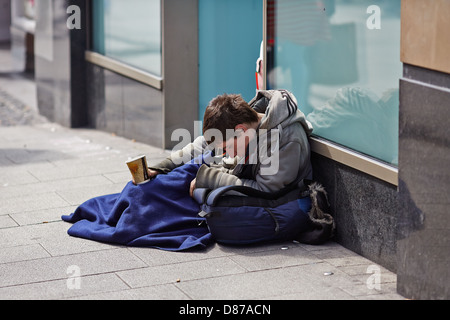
(341, 59)
(230, 34)
(128, 31)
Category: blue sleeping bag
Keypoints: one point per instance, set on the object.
(158, 214)
(161, 214)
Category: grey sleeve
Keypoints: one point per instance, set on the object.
(273, 175)
(180, 157)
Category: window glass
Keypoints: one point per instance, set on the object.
(230, 34)
(129, 31)
(341, 59)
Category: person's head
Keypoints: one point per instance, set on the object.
(229, 112)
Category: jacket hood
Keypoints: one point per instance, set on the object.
(280, 108)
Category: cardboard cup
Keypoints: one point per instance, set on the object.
(139, 169)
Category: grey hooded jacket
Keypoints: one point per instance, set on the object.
(280, 155)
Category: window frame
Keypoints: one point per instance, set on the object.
(120, 67)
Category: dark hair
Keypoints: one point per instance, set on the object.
(226, 112)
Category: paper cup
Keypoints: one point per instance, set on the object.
(139, 169)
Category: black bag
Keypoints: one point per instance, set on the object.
(246, 216)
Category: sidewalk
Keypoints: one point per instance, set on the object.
(47, 170)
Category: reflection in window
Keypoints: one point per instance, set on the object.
(129, 31)
(341, 59)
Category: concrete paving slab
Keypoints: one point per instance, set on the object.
(7, 222)
(11, 177)
(53, 237)
(59, 185)
(66, 288)
(283, 256)
(58, 268)
(183, 271)
(79, 195)
(40, 216)
(23, 253)
(160, 292)
(301, 282)
(32, 203)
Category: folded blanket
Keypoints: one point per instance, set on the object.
(158, 214)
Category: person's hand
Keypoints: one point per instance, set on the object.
(192, 188)
(151, 174)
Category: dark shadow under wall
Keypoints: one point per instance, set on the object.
(364, 209)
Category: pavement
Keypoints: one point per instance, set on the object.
(47, 170)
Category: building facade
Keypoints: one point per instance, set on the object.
(372, 76)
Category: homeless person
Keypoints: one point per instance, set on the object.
(264, 145)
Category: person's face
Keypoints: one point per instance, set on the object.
(237, 145)
(231, 147)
